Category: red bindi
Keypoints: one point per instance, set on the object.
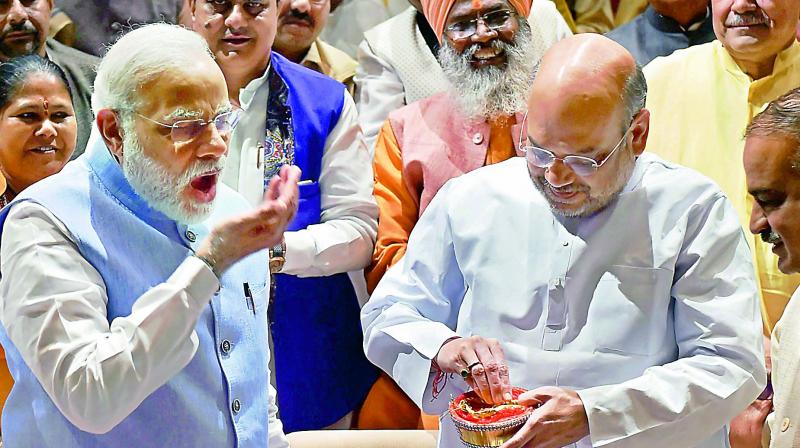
(46, 105)
(476, 4)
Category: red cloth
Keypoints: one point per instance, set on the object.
(436, 11)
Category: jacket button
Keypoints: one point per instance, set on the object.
(236, 406)
(785, 424)
(225, 346)
(191, 236)
(477, 138)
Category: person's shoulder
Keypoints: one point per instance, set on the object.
(288, 69)
(74, 62)
(678, 180)
(626, 32)
(432, 104)
(342, 65)
(694, 58)
(385, 29)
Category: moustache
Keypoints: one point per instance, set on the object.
(759, 17)
(24, 27)
(495, 44)
(770, 237)
(568, 189)
(297, 16)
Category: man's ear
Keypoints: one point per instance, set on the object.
(111, 131)
(641, 128)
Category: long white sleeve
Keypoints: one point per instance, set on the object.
(344, 239)
(53, 307)
(379, 91)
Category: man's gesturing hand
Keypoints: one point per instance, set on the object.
(260, 228)
(559, 419)
(483, 359)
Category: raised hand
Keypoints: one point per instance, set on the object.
(260, 228)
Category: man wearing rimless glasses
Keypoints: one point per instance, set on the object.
(617, 289)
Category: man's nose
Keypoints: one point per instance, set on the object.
(482, 32)
(236, 18)
(558, 174)
(17, 13)
(758, 220)
(744, 6)
(214, 144)
(300, 5)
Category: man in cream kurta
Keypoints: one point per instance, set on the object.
(622, 292)
(702, 98)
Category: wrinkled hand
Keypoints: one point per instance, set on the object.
(747, 427)
(488, 376)
(258, 229)
(559, 419)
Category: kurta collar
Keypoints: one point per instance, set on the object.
(247, 94)
(316, 60)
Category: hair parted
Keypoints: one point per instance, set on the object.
(139, 56)
(16, 71)
(781, 117)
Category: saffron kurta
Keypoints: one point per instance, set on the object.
(701, 102)
(420, 147)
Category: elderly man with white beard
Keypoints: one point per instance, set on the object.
(133, 285)
(615, 287)
(487, 55)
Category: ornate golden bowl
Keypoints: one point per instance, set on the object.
(485, 426)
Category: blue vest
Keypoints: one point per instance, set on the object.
(320, 367)
(135, 248)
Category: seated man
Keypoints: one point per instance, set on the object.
(703, 97)
(300, 23)
(772, 165)
(132, 286)
(30, 23)
(297, 116)
(666, 26)
(397, 61)
(615, 286)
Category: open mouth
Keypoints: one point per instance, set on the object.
(236, 40)
(204, 187)
(44, 150)
(488, 56)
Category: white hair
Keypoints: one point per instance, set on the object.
(137, 57)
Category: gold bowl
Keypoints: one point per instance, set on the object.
(483, 426)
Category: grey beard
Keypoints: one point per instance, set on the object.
(494, 90)
(159, 188)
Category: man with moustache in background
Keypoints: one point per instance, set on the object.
(300, 23)
(24, 27)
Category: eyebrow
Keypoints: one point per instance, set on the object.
(183, 112)
(472, 16)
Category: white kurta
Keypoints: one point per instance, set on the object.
(648, 308)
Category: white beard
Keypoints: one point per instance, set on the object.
(160, 189)
(494, 90)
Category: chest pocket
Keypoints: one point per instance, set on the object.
(630, 310)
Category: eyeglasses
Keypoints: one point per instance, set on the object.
(493, 20)
(582, 166)
(185, 130)
(223, 7)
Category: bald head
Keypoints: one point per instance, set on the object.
(587, 74)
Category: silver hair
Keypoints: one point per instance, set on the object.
(634, 96)
(781, 117)
(137, 57)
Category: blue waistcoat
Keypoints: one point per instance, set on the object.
(135, 248)
(320, 367)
